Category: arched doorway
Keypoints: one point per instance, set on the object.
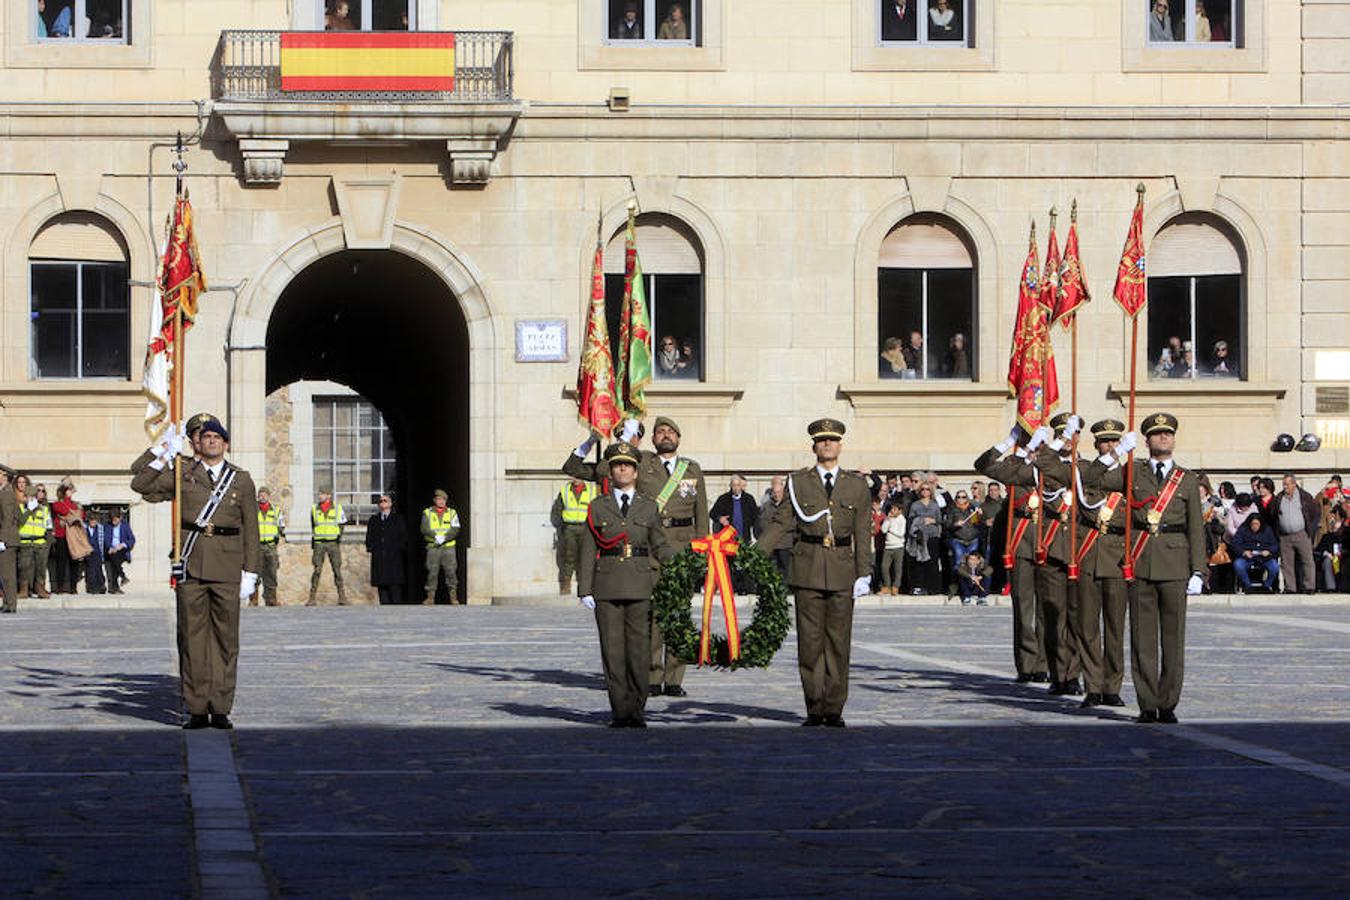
(388, 327)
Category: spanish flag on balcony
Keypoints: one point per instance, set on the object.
(367, 61)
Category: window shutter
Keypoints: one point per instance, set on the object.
(923, 245)
(78, 236)
(1192, 248)
(665, 247)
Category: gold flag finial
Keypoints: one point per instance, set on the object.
(1073, 211)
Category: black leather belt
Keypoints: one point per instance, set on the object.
(820, 539)
(620, 551)
(1022, 514)
(1166, 529)
(677, 523)
(211, 530)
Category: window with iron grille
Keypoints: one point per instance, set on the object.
(353, 454)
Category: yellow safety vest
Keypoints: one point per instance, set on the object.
(269, 530)
(327, 527)
(441, 524)
(574, 507)
(35, 527)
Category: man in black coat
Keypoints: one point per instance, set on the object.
(738, 509)
(387, 543)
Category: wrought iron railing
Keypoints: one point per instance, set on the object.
(247, 66)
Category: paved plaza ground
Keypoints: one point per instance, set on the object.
(410, 751)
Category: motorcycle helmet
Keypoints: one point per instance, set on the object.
(1309, 443)
(1283, 444)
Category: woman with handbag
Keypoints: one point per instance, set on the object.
(67, 534)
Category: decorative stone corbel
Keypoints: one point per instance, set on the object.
(264, 160)
(471, 160)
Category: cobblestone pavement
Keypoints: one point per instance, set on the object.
(458, 752)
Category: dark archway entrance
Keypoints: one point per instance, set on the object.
(389, 328)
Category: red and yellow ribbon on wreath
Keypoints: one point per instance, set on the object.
(719, 548)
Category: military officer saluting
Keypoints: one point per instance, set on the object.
(831, 567)
(676, 484)
(1168, 556)
(1004, 462)
(220, 558)
(615, 577)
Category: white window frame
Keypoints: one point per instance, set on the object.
(314, 11)
(388, 464)
(1190, 43)
(691, 9)
(79, 375)
(927, 345)
(79, 16)
(921, 38)
(1237, 342)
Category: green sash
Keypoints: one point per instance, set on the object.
(676, 475)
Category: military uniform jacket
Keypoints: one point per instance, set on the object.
(143, 477)
(815, 566)
(616, 577)
(690, 500)
(217, 557)
(1169, 555)
(1106, 559)
(1019, 473)
(9, 518)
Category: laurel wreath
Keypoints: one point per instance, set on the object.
(683, 577)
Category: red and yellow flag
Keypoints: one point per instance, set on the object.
(1131, 288)
(1073, 288)
(1032, 379)
(1049, 294)
(180, 282)
(367, 61)
(596, 404)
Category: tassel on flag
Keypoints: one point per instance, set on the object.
(1131, 290)
(635, 333)
(596, 405)
(1073, 288)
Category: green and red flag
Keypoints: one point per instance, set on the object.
(596, 405)
(635, 333)
(1073, 288)
(1032, 380)
(1131, 290)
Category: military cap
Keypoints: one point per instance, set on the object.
(439, 494)
(1108, 430)
(621, 452)
(1159, 422)
(198, 421)
(668, 422)
(826, 428)
(213, 426)
(1060, 421)
(263, 489)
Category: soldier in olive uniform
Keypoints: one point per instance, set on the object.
(676, 484)
(9, 541)
(1102, 600)
(616, 576)
(221, 556)
(1025, 510)
(831, 567)
(1168, 519)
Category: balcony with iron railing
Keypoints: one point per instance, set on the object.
(249, 66)
(273, 89)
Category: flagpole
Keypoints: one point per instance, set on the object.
(1128, 568)
(1040, 398)
(1073, 441)
(179, 359)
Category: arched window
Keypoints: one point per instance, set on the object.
(672, 269)
(1195, 299)
(80, 309)
(926, 301)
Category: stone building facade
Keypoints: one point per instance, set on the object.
(805, 189)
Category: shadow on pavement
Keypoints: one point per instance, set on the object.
(560, 677)
(149, 696)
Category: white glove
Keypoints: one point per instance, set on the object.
(1128, 441)
(2, 546)
(588, 601)
(1072, 427)
(630, 429)
(1038, 437)
(1195, 585)
(1014, 434)
(585, 447)
(440, 539)
(862, 587)
(248, 582)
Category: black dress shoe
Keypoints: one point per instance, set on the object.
(674, 690)
(637, 722)
(1146, 716)
(6, 609)
(834, 722)
(1167, 717)
(221, 721)
(1073, 688)
(1024, 678)
(1060, 688)
(1040, 677)
(1112, 700)
(618, 723)
(1091, 699)
(197, 720)
(654, 690)
(813, 722)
